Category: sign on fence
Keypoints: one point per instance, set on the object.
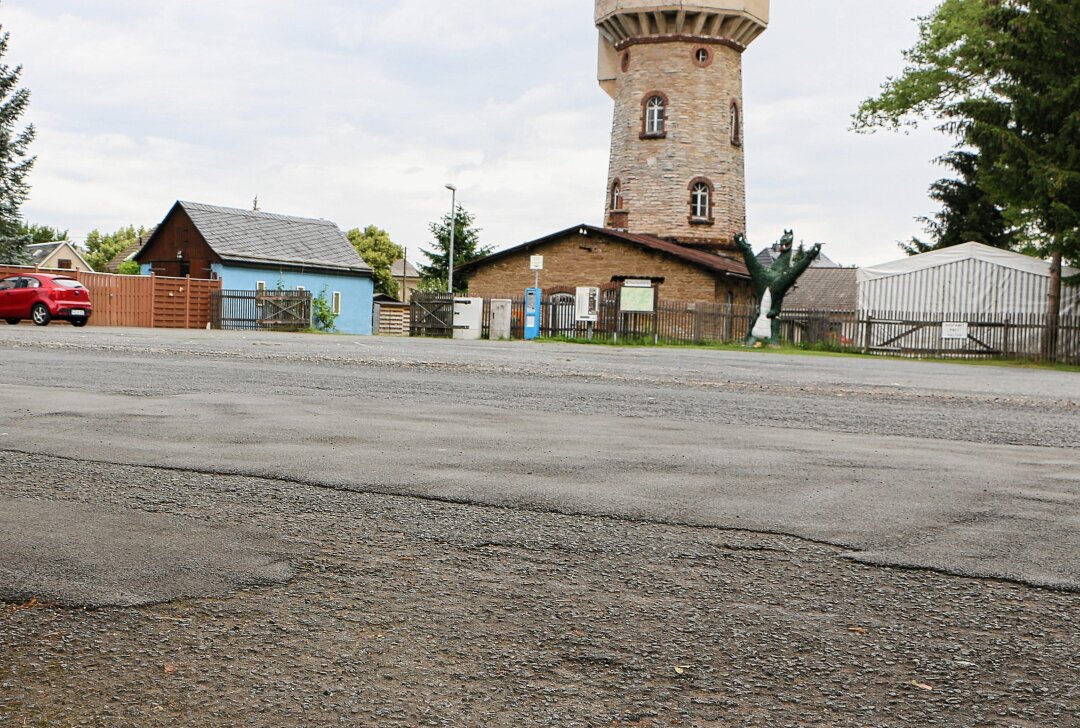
(953, 330)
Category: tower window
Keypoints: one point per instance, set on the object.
(655, 118)
(702, 57)
(626, 61)
(701, 200)
(616, 195)
(736, 124)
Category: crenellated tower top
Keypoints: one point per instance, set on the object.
(623, 23)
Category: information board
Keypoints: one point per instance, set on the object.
(637, 300)
(588, 304)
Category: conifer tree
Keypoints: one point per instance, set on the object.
(467, 248)
(15, 164)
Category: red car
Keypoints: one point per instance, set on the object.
(43, 298)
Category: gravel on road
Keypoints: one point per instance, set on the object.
(408, 612)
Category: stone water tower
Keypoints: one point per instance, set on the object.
(674, 69)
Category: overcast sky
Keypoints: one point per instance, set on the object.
(360, 112)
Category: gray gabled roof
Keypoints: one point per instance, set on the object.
(261, 238)
(768, 256)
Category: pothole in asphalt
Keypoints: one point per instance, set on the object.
(76, 555)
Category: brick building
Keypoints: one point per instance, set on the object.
(592, 256)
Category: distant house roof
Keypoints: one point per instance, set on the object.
(832, 289)
(769, 255)
(402, 267)
(248, 237)
(41, 252)
(702, 259)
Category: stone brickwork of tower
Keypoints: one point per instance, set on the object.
(674, 70)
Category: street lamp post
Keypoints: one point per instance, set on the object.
(453, 228)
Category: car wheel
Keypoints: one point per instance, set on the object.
(13, 322)
(79, 323)
(40, 314)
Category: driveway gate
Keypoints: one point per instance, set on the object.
(432, 314)
(261, 310)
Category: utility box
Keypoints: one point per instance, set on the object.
(500, 318)
(468, 318)
(533, 298)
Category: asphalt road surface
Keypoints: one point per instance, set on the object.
(966, 469)
(316, 530)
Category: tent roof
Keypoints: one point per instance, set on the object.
(956, 254)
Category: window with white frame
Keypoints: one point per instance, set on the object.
(260, 286)
(655, 116)
(616, 195)
(699, 200)
(337, 303)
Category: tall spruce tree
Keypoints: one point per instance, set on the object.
(968, 214)
(15, 164)
(1002, 75)
(467, 248)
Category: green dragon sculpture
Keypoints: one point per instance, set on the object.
(772, 284)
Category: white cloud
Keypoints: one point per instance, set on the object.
(360, 112)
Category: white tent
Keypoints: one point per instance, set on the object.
(968, 279)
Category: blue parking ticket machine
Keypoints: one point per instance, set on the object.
(532, 313)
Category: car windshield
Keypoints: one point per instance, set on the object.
(68, 283)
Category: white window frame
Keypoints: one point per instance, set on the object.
(260, 286)
(300, 288)
(655, 115)
(337, 303)
(616, 196)
(700, 201)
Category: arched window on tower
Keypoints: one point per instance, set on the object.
(655, 116)
(701, 200)
(736, 124)
(616, 195)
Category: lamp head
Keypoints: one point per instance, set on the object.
(451, 188)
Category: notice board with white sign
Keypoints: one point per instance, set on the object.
(952, 330)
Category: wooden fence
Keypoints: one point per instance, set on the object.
(144, 301)
(392, 319)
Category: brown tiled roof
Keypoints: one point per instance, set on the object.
(702, 259)
(833, 289)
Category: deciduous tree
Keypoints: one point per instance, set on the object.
(103, 247)
(378, 251)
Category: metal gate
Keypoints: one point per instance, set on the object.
(261, 310)
(432, 315)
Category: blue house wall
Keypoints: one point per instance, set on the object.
(357, 291)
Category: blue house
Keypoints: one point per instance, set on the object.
(250, 250)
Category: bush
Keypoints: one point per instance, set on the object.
(322, 313)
